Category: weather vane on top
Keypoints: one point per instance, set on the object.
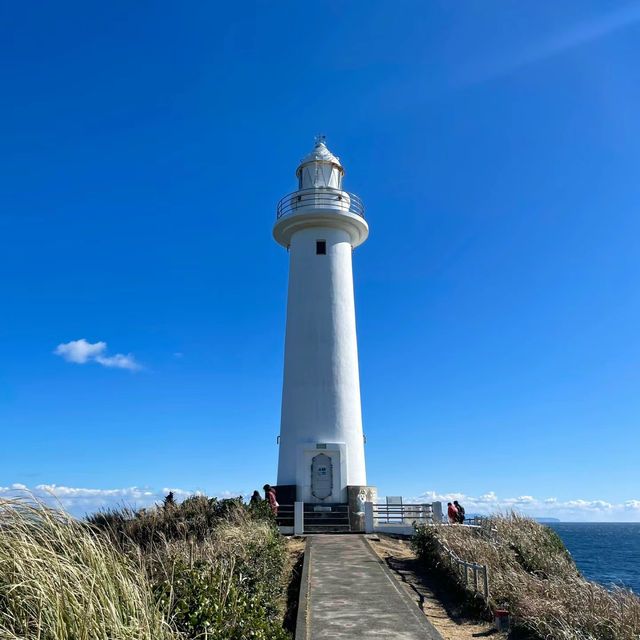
(321, 139)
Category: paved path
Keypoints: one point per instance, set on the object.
(353, 595)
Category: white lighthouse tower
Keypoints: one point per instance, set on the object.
(321, 438)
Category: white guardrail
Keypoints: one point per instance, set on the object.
(399, 518)
(461, 568)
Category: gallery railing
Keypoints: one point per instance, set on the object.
(332, 200)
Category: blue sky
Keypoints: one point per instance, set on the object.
(143, 148)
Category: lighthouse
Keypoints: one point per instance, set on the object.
(321, 454)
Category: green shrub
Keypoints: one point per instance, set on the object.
(216, 566)
(425, 544)
(205, 600)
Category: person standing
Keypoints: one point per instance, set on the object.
(452, 512)
(270, 497)
(460, 510)
(255, 498)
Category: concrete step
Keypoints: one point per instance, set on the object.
(327, 528)
(312, 506)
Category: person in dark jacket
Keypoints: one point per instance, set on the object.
(255, 498)
(270, 497)
(460, 510)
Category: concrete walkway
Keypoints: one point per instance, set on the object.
(351, 594)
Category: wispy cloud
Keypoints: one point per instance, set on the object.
(119, 361)
(580, 34)
(81, 352)
(551, 507)
(80, 501)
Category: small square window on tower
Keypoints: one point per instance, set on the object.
(321, 247)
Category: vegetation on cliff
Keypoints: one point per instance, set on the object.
(200, 569)
(532, 574)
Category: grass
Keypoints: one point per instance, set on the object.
(532, 574)
(200, 569)
(59, 580)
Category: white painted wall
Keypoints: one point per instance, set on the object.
(321, 386)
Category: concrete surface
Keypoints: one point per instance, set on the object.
(351, 594)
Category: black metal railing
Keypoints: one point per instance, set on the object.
(285, 515)
(333, 200)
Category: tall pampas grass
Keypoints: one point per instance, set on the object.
(62, 580)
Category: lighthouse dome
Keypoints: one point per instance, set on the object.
(320, 152)
(320, 168)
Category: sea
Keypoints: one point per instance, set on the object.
(605, 552)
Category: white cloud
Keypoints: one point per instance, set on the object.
(80, 501)
(81, 352)
(570, 510)
(520, 500)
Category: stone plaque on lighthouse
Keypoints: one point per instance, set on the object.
(321, 439)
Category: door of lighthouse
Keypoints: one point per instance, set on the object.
(321, 476)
